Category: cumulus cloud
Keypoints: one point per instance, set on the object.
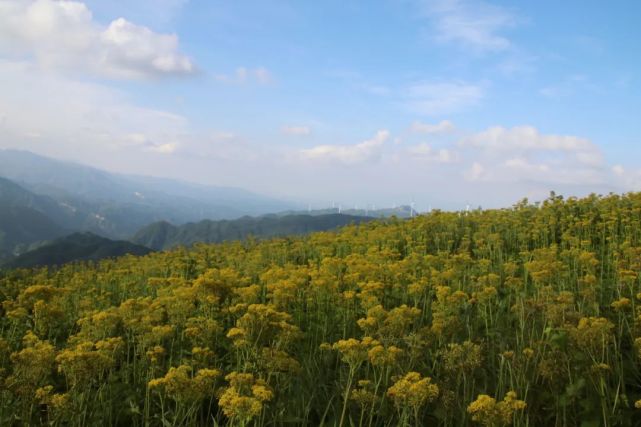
(349, 154)
(469, 23)
(523, 153)
(425, 151)
(79, 117)
(63, 34)
(438, 98)
(527, 139)
(443, 126)
(296, 130)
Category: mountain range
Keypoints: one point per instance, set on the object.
(43, 199)
(75, 247)
(163, 235)
(116, 205)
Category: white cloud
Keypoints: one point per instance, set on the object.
(470, 23)
(64, 35)
(443, 126)
(296, 130)
(527, 139)
(430, 98)
(425, 151)
(79, 117)
(349, 154)
(523, 153)
(243, 75)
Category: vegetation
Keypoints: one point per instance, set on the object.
(528, 316)
(23, 221)
(75, 247)
(162, 235)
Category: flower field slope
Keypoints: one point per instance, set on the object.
(528, 316)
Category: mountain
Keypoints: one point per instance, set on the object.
(116, 205)
(75, 247)
(163, 235)
(25, 220)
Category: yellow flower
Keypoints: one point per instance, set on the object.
(245, 396)
(487, 411)
(528, 352)
(621, 304)
(182, 386)
(412, 391)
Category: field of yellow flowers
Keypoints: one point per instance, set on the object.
(529, 316)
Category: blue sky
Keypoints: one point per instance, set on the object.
(445, 102)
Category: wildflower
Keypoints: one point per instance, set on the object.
(381, 356)
(181, 385)
(621, 304)
(412, 391)
(353, 351)
(274, 360)
(364, 395)
(57, 403)
(508, 354)
(592, 333)
(84, 363)
(31, 366)
(528, 352)
(464, 357)
(487, 411)
(156, 354)
(245, 396)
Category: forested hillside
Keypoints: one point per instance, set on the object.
(82, 198)
(75, 247)
(24, 218)
(162, 235)
(526, 316)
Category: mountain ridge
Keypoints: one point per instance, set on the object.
(79, 246)
(117, 205)
(164, 235)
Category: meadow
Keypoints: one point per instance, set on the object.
(527, 316)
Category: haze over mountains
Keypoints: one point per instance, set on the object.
(43, 199)
(116, 205)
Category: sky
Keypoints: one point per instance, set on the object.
(444, 103)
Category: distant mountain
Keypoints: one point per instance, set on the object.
(118, 205)
(75, 247)
(163, 235)
(25, 220)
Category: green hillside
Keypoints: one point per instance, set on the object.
(75, 247)
(163, 235)
(521, 317)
